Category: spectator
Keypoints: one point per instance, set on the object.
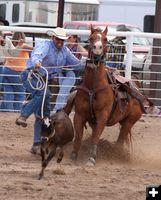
(53, 55)
(117, 50)
(14, 65)
(3, 22)
(77, 49)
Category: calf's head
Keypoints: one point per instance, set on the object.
(47, 131)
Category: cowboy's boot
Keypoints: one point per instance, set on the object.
(21, 121)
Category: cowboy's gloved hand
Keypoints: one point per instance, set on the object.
(37, 66)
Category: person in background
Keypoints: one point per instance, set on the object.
(116, 60)
(79, 51)
(117, 50)
(14, 92)
(3, 22)
(53, 55)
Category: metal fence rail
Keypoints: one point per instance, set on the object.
(135, 60)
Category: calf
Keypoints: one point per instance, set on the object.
(57, 133)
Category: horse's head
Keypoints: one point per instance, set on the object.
(97, 43)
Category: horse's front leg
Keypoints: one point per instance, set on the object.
(78, 126)
(96, 133)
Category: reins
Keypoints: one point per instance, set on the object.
(92, 92)
(93, 62)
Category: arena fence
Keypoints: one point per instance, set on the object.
(136, 60)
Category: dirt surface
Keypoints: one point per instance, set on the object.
(116, 175)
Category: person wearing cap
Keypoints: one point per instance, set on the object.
(117, 49)
(53, 55)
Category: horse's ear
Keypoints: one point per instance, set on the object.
(92, 29)
(105, 31)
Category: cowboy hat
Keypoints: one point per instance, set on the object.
(5, 22)
(58, 32)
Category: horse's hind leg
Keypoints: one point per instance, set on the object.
(125, 130)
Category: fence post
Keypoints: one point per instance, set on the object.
(129, 50)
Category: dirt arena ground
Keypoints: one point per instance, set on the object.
(115, 176)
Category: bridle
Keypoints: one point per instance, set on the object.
(97, 46)
(93, 62)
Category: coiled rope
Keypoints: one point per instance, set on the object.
(40, 85)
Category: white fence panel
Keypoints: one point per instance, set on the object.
(137, 59)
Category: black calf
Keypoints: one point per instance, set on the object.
(56, 134)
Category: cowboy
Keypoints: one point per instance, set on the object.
(53, 55)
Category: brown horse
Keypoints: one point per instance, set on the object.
(95, 100)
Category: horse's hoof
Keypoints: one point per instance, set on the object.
(74, 156)
(91, 162)
(40, 176)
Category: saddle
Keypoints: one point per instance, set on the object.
(124, 89)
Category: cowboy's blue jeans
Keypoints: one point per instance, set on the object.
(37, 131)
(35, 104)
(66, 82)
(14, 92)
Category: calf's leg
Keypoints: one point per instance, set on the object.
(46, 161)
(60, 155)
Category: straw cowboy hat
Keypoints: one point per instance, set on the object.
(58, 32)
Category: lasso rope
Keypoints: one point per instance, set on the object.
(41, 84)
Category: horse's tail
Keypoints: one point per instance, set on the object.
(70, 102)
(128, 142)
